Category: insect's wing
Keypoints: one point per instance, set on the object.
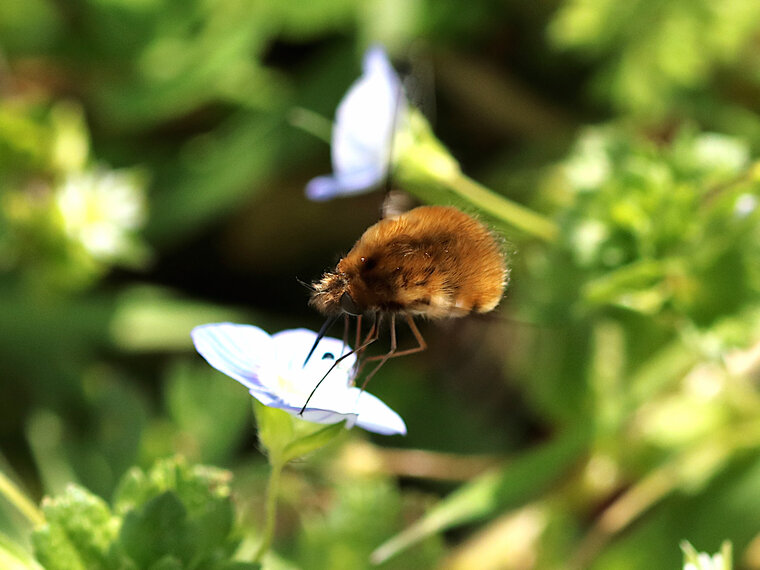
(397, 202)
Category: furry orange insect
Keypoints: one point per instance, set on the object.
(432, 261)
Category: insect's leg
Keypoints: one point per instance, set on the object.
(345, 333)
(377, 319)
(393, 353)
(385, 356)
(371, 337)
(422, 345)
(358, 330)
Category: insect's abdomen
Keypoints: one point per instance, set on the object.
(433, 261)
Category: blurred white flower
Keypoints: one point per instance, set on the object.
(702, 561)
(273, 370)
(589, 166)
(745, 205)
(714, 151)
(370, 115)
(101, 210)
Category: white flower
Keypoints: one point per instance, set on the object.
(373, 110)
(273, 370)
(706, 562)
(101, 210)
(703, 561)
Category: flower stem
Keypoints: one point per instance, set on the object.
(273, 487)
(16, 497)
(503, 208)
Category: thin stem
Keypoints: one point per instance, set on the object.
(503, 208)
(273, 489)
(311, 122)
(16, 497)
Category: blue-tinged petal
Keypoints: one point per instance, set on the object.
(273, 369)
(319, 415)
(370, 114)
(266, 397)
(237, 350)
(328, 187)
(367, 117)
(376, 416)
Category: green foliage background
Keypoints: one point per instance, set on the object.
(606, 412)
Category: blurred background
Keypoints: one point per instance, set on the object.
(153, 156)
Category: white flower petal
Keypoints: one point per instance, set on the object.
(237, 350)
(328, 187)
(376, 416)
(370, 114)
(366, 117)
(319, 415)
(289, 350)
(273, 369)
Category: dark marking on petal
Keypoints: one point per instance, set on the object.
(328, 356)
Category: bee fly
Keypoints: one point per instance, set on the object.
(432, 261)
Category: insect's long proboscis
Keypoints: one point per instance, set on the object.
(320, 335)
(372, 336)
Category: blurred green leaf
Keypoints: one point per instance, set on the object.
(365, 513)
(151, 319)
(216, 174)
(78, 532)
(651, 54)
(173, 514)
(194, 484)
(728, 506)
(14, 557)
(306, 444)
(276, 429)
(166, 563)
(522, 479)
(156, 531)
(207, 408)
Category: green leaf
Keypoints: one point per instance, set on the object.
(211, 411)
(158, 529)
(155, 319)
(522, 479)
(14, 557)
(276, 428)
(211, 528)
(194, 485)
(177, 510)
(78, 532)
(364, 512)
(312, 442)
(216, 177)
(54, 549)
(167, 563)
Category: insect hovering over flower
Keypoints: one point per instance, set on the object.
(432, 261)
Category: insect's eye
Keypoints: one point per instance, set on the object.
(348, 304)
(368, 263)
